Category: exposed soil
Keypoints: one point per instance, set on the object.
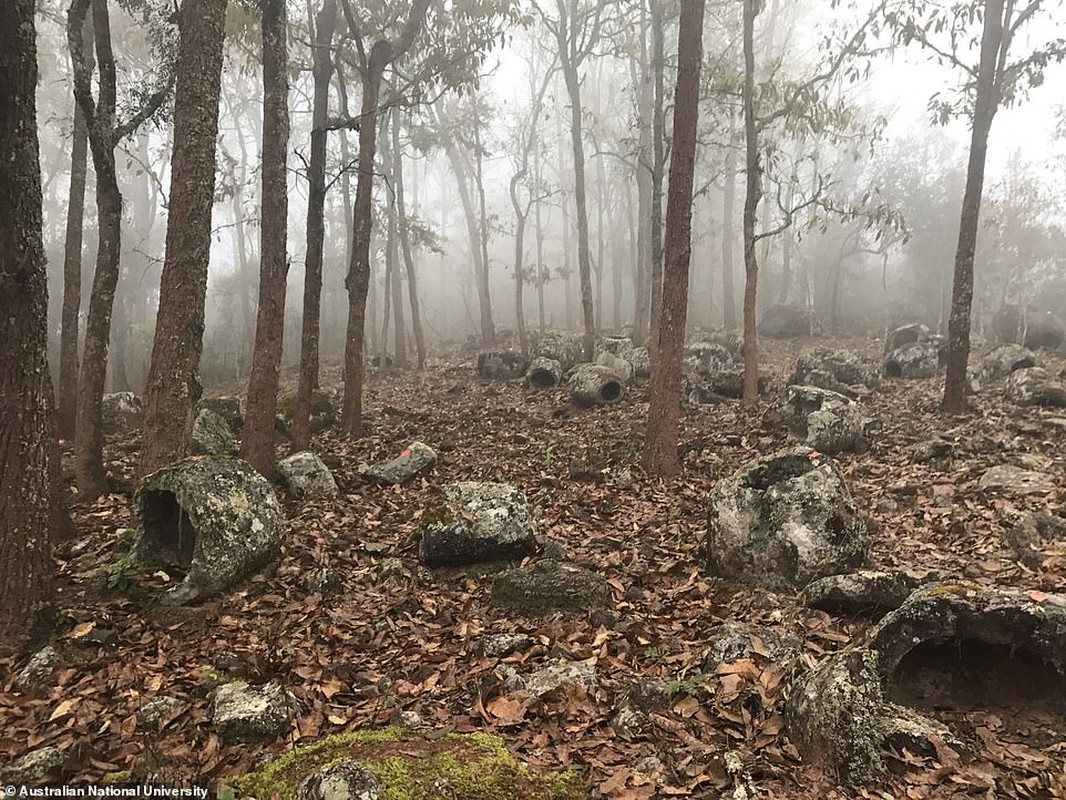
(358, 657)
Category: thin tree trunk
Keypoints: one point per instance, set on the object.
(658, 161)
(962, 285)
(28, 455)
(729, 190)
(751, 204)
(484, 293)
(68, 347)
(405, 242)
(664, 410)
(539, 234)
(257, 441)
(786, 253)
(519, 247)
(325, 23)
(393, 282)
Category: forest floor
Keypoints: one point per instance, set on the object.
(356, 658)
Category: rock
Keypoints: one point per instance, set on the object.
(932, 450)
(241, 713)
(306, 476)
(412, 462)
(731, 341)
(501, 365)
(390, 568)
(593, 384)
(859, 592)
(730, 383)
(37, 670)
(342, 781)
(1004, 360)
(734, 641)
(619, 345)
(784, 322)
(501, 645)
(324, 581)
(478, 522)
(561, 346)
(617, 365)
(783, 521)
(837, 370)
(544, 373)
(913, 361)
(827, 421)
(1029, 326)
(640, 358)
(216, 519)
(1014, 479)
(229, 408)
(152, 714)
(34, 766)
(322, 416)
(549, 586)
(211, 435)
(1030, 532)
(121, 413)
(1033, 386)
(705, 358)
(904, 335)
(555, 678)
(408, 764)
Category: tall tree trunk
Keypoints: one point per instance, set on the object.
(538, 230)
(729, 192)
(405, 241)
(664, 409)
(173, 385)
(751, 205)
(658, 63)
(519, 248)
(644, 168)
(325, 23)
(257, 441)
(68, 347)
(28, 457)
(985, 107)
(786, 252)
(393, 282)
(484, 293)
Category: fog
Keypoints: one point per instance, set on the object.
(874, 248)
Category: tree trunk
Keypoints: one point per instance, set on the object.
(28, 456)
(394, 283)
(729, 192)
(173, 385)
(325, 22)
(645, 157)
(985, 107)
(786, 253)
(484, 292)
(519, 247)
(68, 347)
(538, 230)
(751, 205)
(257, 441)
(658, 145)
(405, 241)
(664, 410)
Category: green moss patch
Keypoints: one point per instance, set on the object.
(411, 767)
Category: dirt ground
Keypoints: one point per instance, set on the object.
(357, 657)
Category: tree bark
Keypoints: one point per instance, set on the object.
(257, 441)
(729, 192)
(68, 347)
(985, 106)
(28, 454)
(751, 205)
(664, 410)
(173, 385)
(519, 248)
(322, 69)
(405, 242)
(658, 132)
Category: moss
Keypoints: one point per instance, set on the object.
(440, 517)
(116, 778)
(474, 766)
(320, 403)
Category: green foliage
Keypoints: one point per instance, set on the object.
(691, 685)
(121, 576)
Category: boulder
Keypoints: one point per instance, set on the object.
(212, 518)
(478, 522)
(211, 435)
(904, 335)
(37, 670)
(544, 373)
(1033, 386)
(826, 421)
(1029, 532)
(345, 780)
(917, 360)
(229, 408)
(152, 714)
(323, 415)
(1029, 326)
(561, 346)
(593, 384)
(640, 358)
(616, 345)
(705, 358)
(501, 365)
(416, 459)
(1005, 359)
(730, 383)
(121, 413)
(617, 365)
(549, 586)
(553, 679)
(501, 645)
(859, 592)
(241, 713)
(837, 370)
(784, 322)
(783, 521)
(1016, 480)
(44, 762)
(306, 476)
(935, 451)
(734, 641)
